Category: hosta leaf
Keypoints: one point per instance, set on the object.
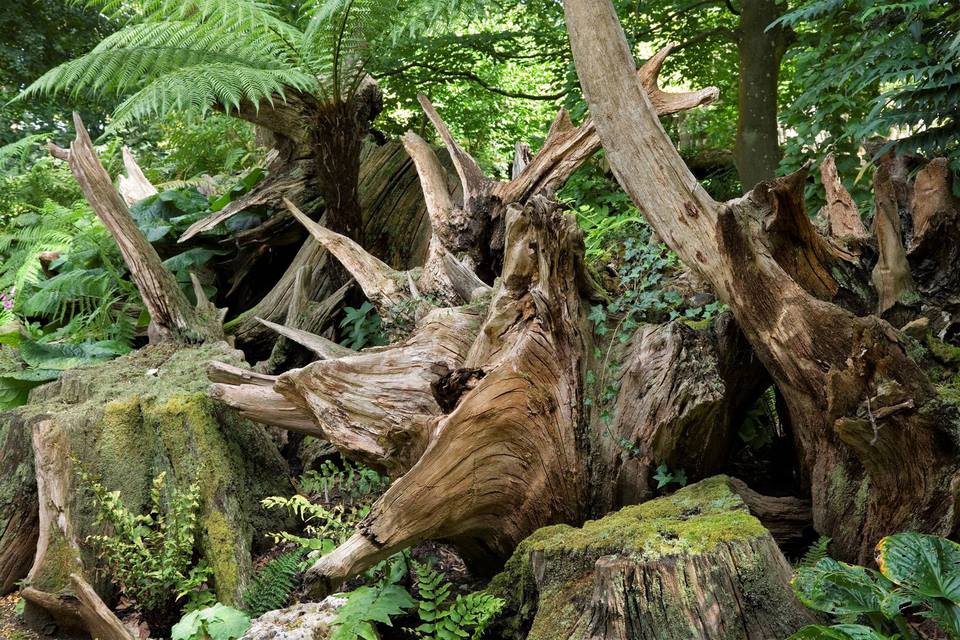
(922, 564)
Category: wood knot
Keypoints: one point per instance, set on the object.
(691, 209)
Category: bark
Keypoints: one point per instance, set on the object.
(757, 147)
(171, 314)
(641, 573)
(97, 616)
(871, 433)
(19, 517)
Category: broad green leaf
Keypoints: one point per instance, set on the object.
(840, 632)
(188, 628)
(225, 623)
(925, 565)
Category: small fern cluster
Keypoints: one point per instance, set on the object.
(446, 618)
(150, 556)
(273, 584)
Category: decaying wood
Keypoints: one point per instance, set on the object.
(264, 405)
(681, 395)
(836, 372)
(134, 186)
(321, 347)
(840, 211)
(19, 513)
(377, 405)
(787, 518)
(171, 314)
(891, 277)
(396, 229)
(481, 411)
(99, 620)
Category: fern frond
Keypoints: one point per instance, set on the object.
(816, 552)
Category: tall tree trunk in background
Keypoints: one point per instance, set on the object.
(757, 152)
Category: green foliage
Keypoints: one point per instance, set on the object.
(446, 618)
(363, 327)
(368, 605)
(817, 552)
(271, 586)
(349, 482)
(665, 477)
(177, 56)
(867, 69)
(150, 557)
(919, 577)
(330, 503)
(218, 622)
(761, 422)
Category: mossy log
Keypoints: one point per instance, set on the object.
(125, 422)
(695, 564)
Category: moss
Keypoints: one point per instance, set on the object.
(60, 561)
(943, 352)
(148, 412)
(695, 520)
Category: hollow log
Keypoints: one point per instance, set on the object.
(873, 435)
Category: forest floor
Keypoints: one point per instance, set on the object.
(11, 626)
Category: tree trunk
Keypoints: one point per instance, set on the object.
(757, 148)
(19, 518)
(872, 432)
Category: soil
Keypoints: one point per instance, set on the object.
(11, 626)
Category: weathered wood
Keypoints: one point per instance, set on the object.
(170, 312)
(786, 517)
(99, 619)
(836, 372)
(264, 405)
(321, 347)
(134, 186)
(891, 276)
(840, 211)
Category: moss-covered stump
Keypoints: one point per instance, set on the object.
(127, 421)
(693, 565)
(19, 519)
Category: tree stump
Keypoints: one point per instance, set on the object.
(694, 564)
(19, 518)
(125, 422)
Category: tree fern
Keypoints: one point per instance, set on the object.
(201, 54)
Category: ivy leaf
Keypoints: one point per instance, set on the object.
(663, 476)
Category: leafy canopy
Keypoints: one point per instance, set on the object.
(195, 55)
